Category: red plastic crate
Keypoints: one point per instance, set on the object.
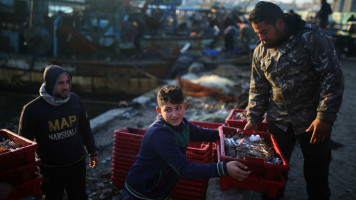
(31, 187)
(118, 154)
(258, 184)
(126, 141)
(258, 167)
(199, 151)
(126, 146)
(270, 187)
(118, 182)
(127, 151)
(239, 123)
(179, 196)
(194, 182)
(122, 160)
(210, 125)
(193, 188)
(188, 194)
(20, 174)
(133, 150)
(132, 134)
(123, 165)
(21, 156)
(119, 173)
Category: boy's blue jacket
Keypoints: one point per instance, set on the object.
(161, 160)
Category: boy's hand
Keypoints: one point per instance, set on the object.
(237, 170)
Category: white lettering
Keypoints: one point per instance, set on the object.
(63, 135)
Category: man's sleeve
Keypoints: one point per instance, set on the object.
(328, 68)
(25, 124)
(85, 130)
(258, 94)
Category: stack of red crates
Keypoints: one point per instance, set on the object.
(233, 121)
(18, 167)
(264, 177)
(127, 142)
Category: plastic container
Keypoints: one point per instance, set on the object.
(21, 156)
(187, 194)
(119, 141)
(126, 146)
(31, 187)
(119, 173)
(258, 184)
(118, 182)
(258, 167)
(199, 151)
(131, 134)
(20, 174)
(270, 187)
(232, 121)
(210, 125)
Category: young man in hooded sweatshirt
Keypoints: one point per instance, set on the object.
(57, 121)
(161, 160)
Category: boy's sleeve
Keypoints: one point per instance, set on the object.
(165, 146)
(199, 134)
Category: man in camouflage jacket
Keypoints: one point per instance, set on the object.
(296, 77)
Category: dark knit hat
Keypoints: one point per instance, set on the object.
(51, 75)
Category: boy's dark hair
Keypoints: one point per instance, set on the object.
(265, 12)
(170, 93)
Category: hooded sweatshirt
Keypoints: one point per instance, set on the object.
(161, 160)
(62, 131)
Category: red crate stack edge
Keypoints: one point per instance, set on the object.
(127, 142)
(231, 121)
(265, 177)
(18, 167)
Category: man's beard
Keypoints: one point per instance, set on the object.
(58, 95)
(277, 42)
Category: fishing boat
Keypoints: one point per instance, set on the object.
(91, 47)
(99, 77)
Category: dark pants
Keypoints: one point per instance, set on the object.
(70, 178)
(317, 159)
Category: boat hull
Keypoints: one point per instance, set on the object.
(111, 78)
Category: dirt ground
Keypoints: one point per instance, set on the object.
(342, 170)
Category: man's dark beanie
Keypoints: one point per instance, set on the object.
(50, 76)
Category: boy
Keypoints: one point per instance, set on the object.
(161, 160)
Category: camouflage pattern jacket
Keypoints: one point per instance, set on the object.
(297, 82)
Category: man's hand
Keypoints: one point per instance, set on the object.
(237, 170)
(93, 160)
(321, 131)
(251, 127)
